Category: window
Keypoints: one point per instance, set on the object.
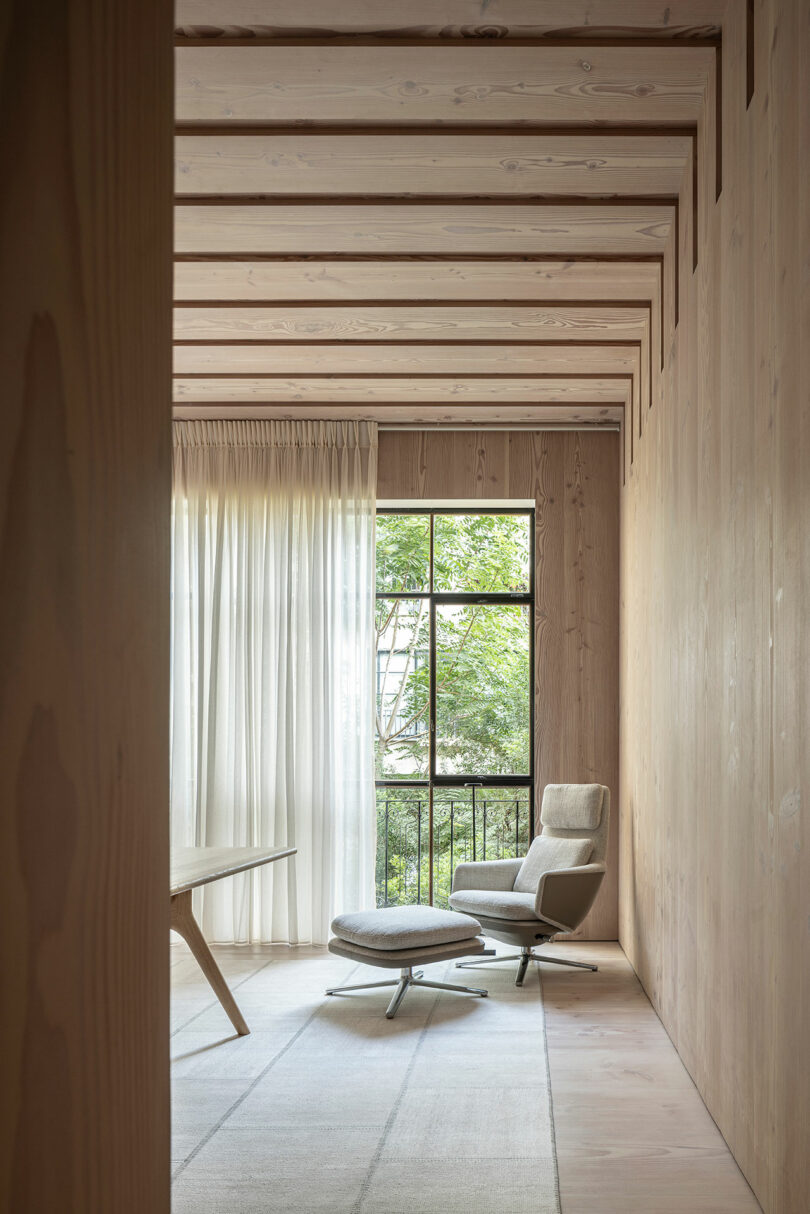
(455, 696)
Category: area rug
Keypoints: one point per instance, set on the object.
(328, 1106)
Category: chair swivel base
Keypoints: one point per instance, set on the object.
(524, 957)
(407, 978)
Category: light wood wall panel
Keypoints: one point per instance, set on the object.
(574, 481)
(85, 447)
(715, 767)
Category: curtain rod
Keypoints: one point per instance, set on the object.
(612, 427)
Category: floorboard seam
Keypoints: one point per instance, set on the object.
(375, 1162)
(234, 986)
(557, 1193)
(230, 1111)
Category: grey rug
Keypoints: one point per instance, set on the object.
(328, 1106)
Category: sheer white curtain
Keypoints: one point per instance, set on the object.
(272, 667)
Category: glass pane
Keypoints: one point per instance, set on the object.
(495, 827)
(481, 553)
(403, 688)
(403, 552)
(403, 848)
(482, 689)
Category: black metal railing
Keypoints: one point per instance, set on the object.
(498, 828)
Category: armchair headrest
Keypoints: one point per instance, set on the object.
(572, 806)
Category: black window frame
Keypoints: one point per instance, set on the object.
(454, 598)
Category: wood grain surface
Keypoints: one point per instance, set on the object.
(493, 391)
(415, 323)
(339, 281)
(380, 358)
(475, 83)
(572, 19)
(354, 228)
(598, 164)
(85, 481)
(715, 884)
(574, 482)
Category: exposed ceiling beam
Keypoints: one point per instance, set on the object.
(379, 359)
(358, 229)
(598, 164)
(419, 281)
(688, 19)
(395, 321)
(572, 388)
(472, 82)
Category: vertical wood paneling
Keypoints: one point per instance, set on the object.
(85, 263)
(714, 653)
(574, 480)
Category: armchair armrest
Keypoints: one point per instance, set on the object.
(565, 895)
(486, 874)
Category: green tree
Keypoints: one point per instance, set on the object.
(483, 690)
(482, 651)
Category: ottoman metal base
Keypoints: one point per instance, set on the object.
(407, 978)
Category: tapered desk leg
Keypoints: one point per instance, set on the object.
(184, 923)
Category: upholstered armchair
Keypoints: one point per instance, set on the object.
(527, 902)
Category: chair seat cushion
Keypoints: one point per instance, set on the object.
(494, 903)
(547, 853)
(404, 927)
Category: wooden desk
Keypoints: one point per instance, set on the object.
(193, 866)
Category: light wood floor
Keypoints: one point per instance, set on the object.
(633, 1136)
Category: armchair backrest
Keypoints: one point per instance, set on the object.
(577, 811)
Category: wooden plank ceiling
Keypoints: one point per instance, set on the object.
(481, 213)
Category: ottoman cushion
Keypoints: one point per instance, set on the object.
(404, 927)
(401, 958)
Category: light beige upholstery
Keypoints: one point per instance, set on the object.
(486, 874)
(572, 806)
(502, 904)
(401, 937)
(404, 927)
(401, 958)
(553, 898)
(546, 854)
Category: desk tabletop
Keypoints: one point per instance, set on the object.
(193, 866)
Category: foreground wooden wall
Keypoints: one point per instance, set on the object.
(573, 479)
(85, 268)
(715, 776)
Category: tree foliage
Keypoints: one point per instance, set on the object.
(482, 651)
(482, 688)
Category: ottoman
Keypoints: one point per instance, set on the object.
(401, 937)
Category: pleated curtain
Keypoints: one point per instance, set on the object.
(272, 668)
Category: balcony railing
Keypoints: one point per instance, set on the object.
(502, 826)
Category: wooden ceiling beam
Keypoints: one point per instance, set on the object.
(446, 230)
(338, 282)
(549, 416)
(468, 19)
(396, 322)
(381, 359)
(472, 82)
(543, 388)
(598, 164)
